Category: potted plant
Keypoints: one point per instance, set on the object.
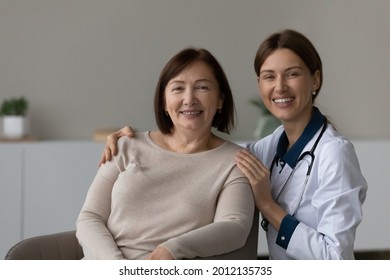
(13, 112)
(267, 123)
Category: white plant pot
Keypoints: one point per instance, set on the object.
(15, 126)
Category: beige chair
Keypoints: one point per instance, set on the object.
(65, 246)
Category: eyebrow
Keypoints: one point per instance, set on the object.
(182, 82)
(287, 69)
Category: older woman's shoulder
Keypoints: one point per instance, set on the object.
(233, 146)
(125, 142)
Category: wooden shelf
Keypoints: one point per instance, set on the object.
(28, 138)
(100, 135)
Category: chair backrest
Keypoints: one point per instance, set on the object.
(56, 246)
(65, 246)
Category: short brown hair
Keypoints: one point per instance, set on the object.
(224, 120)
(296, 42)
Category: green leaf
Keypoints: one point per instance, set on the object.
(14, 107)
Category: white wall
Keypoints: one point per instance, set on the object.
(85, 64)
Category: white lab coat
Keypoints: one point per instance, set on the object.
(330, 209)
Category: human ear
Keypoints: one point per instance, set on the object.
(220, 101)
(316, 80)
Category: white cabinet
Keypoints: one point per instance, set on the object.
(374, 231)
(11, 168)
(57, 178)
(43, 186)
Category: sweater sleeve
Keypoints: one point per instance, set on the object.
(230, 228)
(91, 226)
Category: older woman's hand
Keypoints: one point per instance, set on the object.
(160, 253)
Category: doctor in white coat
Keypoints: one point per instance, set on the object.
(305, 177)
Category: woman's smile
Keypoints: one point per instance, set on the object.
(191, 113)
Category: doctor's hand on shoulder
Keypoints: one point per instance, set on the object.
(110, 148)
(259, 178)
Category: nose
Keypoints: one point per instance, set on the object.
(280, 85)
(189, 97)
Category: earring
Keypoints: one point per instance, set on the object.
(314, 93)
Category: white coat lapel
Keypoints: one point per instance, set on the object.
(280, 174)
(288, 186)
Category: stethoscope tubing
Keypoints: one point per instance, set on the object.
(265, 222)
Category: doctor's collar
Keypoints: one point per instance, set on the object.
(291, 156)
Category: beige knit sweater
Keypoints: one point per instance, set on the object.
(192, 204)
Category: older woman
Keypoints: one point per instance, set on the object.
(175, 192)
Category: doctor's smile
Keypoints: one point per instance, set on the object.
(283, 100)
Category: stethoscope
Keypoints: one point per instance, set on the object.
(310, 154)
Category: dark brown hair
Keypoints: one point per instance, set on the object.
(224, 121)
(296, 42)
